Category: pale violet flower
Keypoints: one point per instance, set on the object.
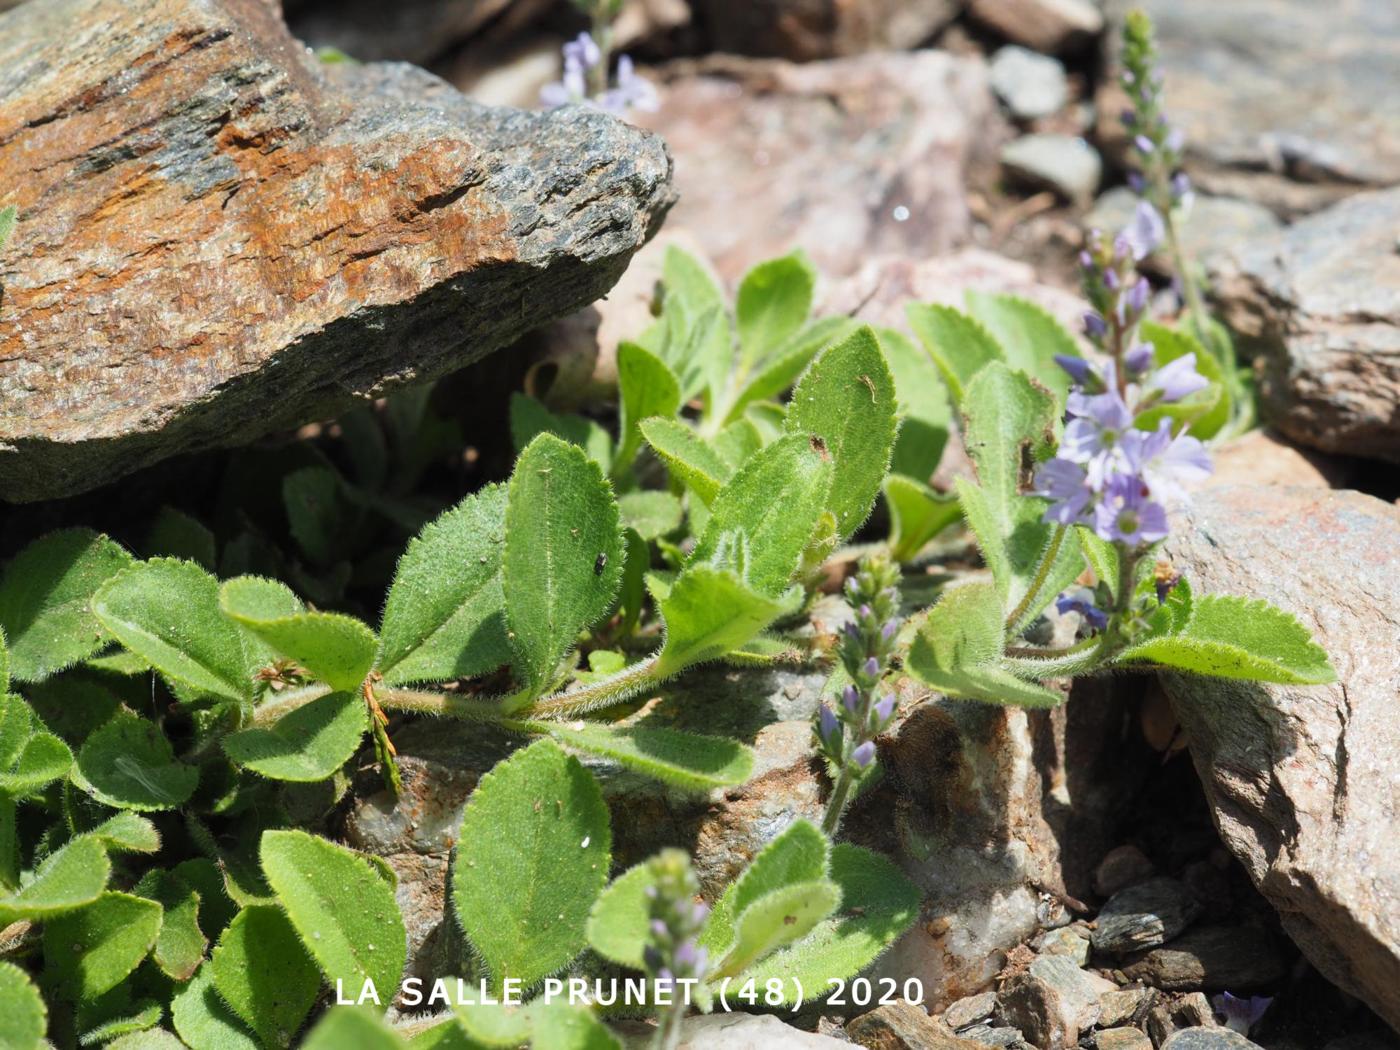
(1174, 380)
(1127, 514)
(1166, 464)
(1081, 600)
(1146, 230)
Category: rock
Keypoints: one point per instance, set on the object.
(1321, 303)
(1268, 95)
(219, 237)
(1208, 1039)
(1079, 989)
(846, 158)
(1121, 1006)
(1177, 1012)
(1210, 228)
(1067, 941)
(1302, 781)
(1052, 1002)
(412, 30)
(1213, 958)
(1144, 916)
(903, 1026)
(986, 1035)
(969, 1011)
(1052, 26)
(1063, 163)
(803, 30)
(1122, 1039)
(1262, 457)
(720, 1031)
(1121, 867)
(1031, 85)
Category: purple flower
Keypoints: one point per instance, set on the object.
(582, 51)
(1146, 230)
(872, 667)
(1174, 380)
(864, 755)
(1094, 324)
(884, 708)
(1143, 143)
(1241, 1014)
(1137, 360)
(1080, 370)
(1090, 437)
(1063, 483)
(1081, 600)
(631, 91)
(830, 728)
(1181, 187)
(1136, 299)
(887, 631)
(1136, 182)
(850, 698)
(1167, 464)
(1126, 514)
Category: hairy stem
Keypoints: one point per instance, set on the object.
(446, 705)
(1042, 573)
(840, 797)
(287, 701)
(614, 689)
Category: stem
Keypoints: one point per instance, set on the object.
(447, 705)
(1195, 305)
(836, 804)
(287, 701)
(613, 690)
(602, 36)
(1042, 573)
(668, 1028)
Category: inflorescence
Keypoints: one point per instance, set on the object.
(583, 59)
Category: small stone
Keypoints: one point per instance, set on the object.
(1193, 1010)
(1122, 1039)
(803, 30)
(1053, 26)
(988, 1035)
(1066, 164)
(1208, 1039)
(1121, 867)
(904, 1026)
(1121, 1006)
(1030, 84)
(966, 1012)
(1067, 941)
(1079, 989)
(1034, 1008)
(1144, 916)
(1213, 959)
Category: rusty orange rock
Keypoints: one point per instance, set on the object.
(219, 236)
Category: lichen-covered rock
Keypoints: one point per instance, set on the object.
(803, 30)
(1321, 302)
(219, 237)
(1303, 781)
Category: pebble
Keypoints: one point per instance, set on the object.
(1178, 1012)
(1208, 1039)
(969, 1011)
(1121, 1005)
(1031, 85)
(1069, 941)
(1063, 163)
(1239, 959)
(1122, 1039)
(906, 1026)
(1144, 916)
(1122, 866)
(998, 1036)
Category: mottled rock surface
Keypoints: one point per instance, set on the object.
(803, 30)
(1144, 916)
(1303, 780)
(1030, 84)
(1065, 164)
(844, 158)
(1262, 457)
(1321, 302)
(1291, 103)
(1051, 26)
(904, 1026)
(219, 237)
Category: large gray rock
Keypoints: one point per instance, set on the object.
(803, 30)
(843, 158)
(1305, 781)
(1321, 302)
(1291, 103)
(219, 237)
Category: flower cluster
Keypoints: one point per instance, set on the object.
(1157, 145)
(585, 61)
(672, 951)
(846, 735)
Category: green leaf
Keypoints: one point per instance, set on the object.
(777, 919)
(168, 612)
(737, 442)
(23, 1016)
(619, 924)
(773, 302)
(7, 223)
(646, 388)
(925, 416)
(707, 613)
(90, 951)
(203, 1020)
(335, 649)
(784, 364)
(563, 1026)
(633, 590)
(174, 534)
(443, 625)
(653, 514)
(128, 763)
(684, 760)
(847, 398)
(117, 1016)
(775, 501)
(126, 832)
(313, 880)
(42, 757)
(264, 974)
(179, 948)
(449, 1035)
(1028, 335)
(689, 459)
(959, 345)
(344, 1028)
(563, 555)
(148, 1039)
(878, 904)
(318, 509)
(1232, 637)
(958, 651)
(307, 744)
(524, 897)
(73, 877)
(529, 419)
(917, 515)
(45, 594)
(798, 855)
(1206, 411)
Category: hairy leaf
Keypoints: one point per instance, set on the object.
(344, 1028)
(785, 363)
(45, 598)
(646, 388)
(959, 345)
(773, 302)
(798, 855)
(313, 880)
(707, 613)
(1232, 637)
(126, 832)
(1029, 337)
(737, 442)
(167, 611)
(29, 760)
(684, 760)
(847, 399)
(925, 416)
(563, 555)
(653, 514)
(265, 975)
(148, 1039)
(203, 1019)
(689, 459)
(307, 744)
(438, 624)
(777, 919)
(179, 949)
(89, 951)
(73, 877)
(128, 763)
(619, 924)
(524, 897)
(175, 534)
(23, 1015)
(529, 419)
(917, 515)
(335, 649)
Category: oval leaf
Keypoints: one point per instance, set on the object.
(685, 760)
(128, 763)
(265, 975)
(92, 950)
(307, 744)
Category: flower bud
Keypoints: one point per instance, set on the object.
(864, 755)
